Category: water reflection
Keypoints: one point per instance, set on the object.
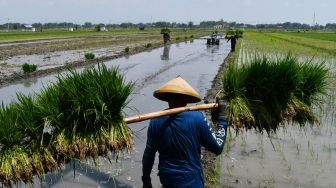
(212, 48)
(30, 82)
(165, 53)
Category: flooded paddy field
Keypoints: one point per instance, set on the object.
(295, 156)
(194, 61)
(54, 54)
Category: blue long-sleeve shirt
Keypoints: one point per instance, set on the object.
(178, 140)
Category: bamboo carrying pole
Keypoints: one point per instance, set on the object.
(152, 115)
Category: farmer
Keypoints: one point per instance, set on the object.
(166, 37)
(213, 38)
(178, 139)
(233, 39)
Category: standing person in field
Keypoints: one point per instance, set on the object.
(233, 39)
(166, 37)
(178, 139)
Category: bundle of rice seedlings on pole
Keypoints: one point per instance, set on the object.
(22, 153)
(264, 93)
(85, 113)
(14, 161)
(79, 116)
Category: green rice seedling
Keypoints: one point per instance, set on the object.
(178, 38)
(148, 45)
(89, 56)
(79, 116)
(15, 166)
(264, 93)
(126, 50)
(86, 113)
(28, 68)
(14, 160)
(191, 36)
(185, 38)
(163, 30)
(21, 132)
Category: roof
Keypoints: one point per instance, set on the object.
(28, 26)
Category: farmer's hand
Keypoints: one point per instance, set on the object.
(222, 111)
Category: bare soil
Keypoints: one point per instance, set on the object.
(45, 46)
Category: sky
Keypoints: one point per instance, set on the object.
(145, 11)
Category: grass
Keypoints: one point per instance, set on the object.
(28, 68)
(264, 93)
(83, 113)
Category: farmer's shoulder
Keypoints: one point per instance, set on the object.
(196, 115)
(158, 121)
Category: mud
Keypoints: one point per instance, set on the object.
(11, 72)
(9, 50)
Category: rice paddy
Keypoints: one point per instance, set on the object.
(294, 156)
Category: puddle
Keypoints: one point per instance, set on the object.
(194, 61)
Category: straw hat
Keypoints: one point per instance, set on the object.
(177, 86)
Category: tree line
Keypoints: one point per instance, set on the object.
(163, 24)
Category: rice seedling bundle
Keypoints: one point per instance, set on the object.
(85, 111)
(28, 68)
(78, 117)
(89, 56)
(264, 93)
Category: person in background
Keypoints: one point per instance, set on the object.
(233, 39)
(178, 138)
(166, 37)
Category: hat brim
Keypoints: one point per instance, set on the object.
(168, 95)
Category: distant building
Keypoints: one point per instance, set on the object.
(71, 29)
(103, 29)
(28, 28)
(218, 27)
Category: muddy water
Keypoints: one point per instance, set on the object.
(194, 61)
(54, 59)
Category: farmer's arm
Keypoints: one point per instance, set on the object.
(215, 141)
(148, 157)
(229, 38)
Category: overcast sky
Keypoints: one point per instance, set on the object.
(117, 11)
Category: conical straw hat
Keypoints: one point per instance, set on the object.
(177, 86)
